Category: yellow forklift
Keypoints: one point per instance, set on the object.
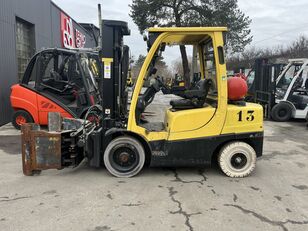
(198, 128)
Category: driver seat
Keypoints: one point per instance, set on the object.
(193, 98)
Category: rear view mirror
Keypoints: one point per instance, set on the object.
(225, 37)
(145, 37)
(153, 71)
(163, 47)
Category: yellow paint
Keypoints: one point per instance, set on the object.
(187, 29)
(202, 122)
(107, 60)
(181, 84)
(233, 125)
(188, 120)
(107, 67)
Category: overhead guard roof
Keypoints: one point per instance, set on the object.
(187, 29)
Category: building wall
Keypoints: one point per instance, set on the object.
(46, 19)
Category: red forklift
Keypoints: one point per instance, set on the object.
(67, 81)
(56, 80)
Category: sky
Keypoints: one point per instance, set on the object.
(273, 22)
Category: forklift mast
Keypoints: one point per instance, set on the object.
(263, 88)
(112, 85)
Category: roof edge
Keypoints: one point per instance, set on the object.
(187, 29)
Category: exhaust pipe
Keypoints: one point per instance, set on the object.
(100, 23)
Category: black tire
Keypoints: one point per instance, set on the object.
(124, 157)
(20, 117)
(281, 112)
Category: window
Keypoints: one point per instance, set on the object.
(55, 66)
(48, 66)
(89, 76)
(59, 77)
(53, 72)
(178, 58)
(210, 66)
(94, 67)
(169, 65)
(286, 79)
(32, 79)
(25, 45)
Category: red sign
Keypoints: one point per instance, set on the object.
(67, 31)
(69, 39)
(80, 39)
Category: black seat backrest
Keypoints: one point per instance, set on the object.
(206, 85)
(193, 98)
(306, 84)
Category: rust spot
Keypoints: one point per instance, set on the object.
(40, 149)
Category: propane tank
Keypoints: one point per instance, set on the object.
(237, 88)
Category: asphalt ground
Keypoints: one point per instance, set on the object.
(273, 197)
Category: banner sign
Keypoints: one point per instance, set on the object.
(68, 37)
(80, 39)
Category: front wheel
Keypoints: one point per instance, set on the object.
(21, 117)
(281, 112)
(237, 159)
(124, 157)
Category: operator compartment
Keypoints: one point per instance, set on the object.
(193, 106)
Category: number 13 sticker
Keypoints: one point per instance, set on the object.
(249, 116)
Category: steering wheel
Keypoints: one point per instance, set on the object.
(148, 96)
(163, 87)
(150, 93)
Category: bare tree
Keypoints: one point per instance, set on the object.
(245, 59)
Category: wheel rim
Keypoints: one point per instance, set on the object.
(238, 161)
(20, 120)
(282, 113)
(124, 158)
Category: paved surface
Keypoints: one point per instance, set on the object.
(274, 197)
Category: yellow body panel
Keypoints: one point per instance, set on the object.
(188, 120)
(212, 128)
(244, 119)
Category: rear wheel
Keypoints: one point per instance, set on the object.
(21, 117)
(281, 112)
(237, 159)
(124, 157)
